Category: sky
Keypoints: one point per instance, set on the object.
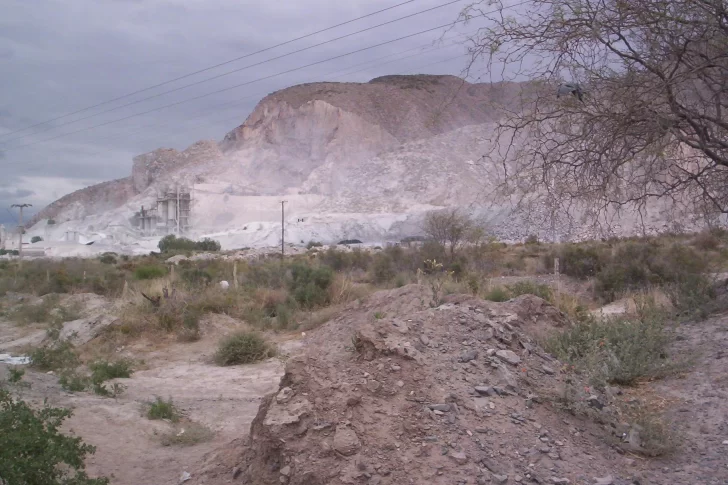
(60, 56)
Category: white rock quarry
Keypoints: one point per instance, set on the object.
(351, 161)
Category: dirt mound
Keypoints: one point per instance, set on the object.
(395, 391)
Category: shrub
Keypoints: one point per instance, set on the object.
(196, 277)
(497, 294)
(313, 244)
(58, 355)
(108, 258)
(242, 348)
(161, 409)
(350, 241)
(102, 371)
(36, 312)
(531, 240)
(310, 285)
(383, 268)
(617, 350)
(149, 272)
(530, 288)
(33, 451)
(707, 241)
(187, 434)
(51, 222)
(174, 243)
(35, 239)
(577, 260)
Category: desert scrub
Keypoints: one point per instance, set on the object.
(497, 294)
(57, 355)
(149, 272)
(161, 409)
(242, 348)
(530, 288)
(33, 451)
(619, 350)
(187, 433)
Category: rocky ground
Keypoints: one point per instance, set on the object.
(399, 389)
(395, 391)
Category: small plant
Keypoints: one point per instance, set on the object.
(72, 381)
(187, 433)
(619, 350)
(379, 315)
(103, 370)
(35, 239)
(149, 272)
(242, 348)
(161, 409)
(51, 222)
(313, 244)
(497, 294)
(108, 258)
(33, 451)
(436, 277)
(58, 355)
(16, 375)
(530, 288)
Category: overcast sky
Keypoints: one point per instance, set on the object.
(59, 56)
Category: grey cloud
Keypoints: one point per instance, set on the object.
(68, 55)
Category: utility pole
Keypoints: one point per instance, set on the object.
(20, 229)
(283, 228)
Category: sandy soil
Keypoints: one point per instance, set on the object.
(129, 446)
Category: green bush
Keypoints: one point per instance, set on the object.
(51, 222)
(530, 288)
(161, 409)
(617, 350)
(497, 294)
(242, 348)
(55, 356)
(577, 260)
(34, 452)
(196, 277)
(174, 243)
(149, 272)
(383, 268)
(313, 244)
(108, 258)
(35, 239)
(309, 285)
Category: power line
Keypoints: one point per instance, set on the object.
(218, 76)
(208, 68)
(327, 78)
(251, 82)
(237, 117)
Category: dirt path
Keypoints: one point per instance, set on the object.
(698, 405)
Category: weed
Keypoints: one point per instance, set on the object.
(161, 409)
(657, 436)
(36, 312)
(530, 288)
(242, 348)
(313, 244)
(72, 381)
(32, 450)
(187, 433)
(497, 294)
(103, 370)
(16, 375)
(56, 356)
(149, 272)
(379, 315)
(618, 350)
(108, 258)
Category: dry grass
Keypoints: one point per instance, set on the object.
(187, 433)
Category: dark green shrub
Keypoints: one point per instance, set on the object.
(242, 348)
(313, 244)
(35, 239)
(498, 294)
(33, 451)
(530, 288)
(56, 356)
(161, 409)
(108, 258)
(196, 277)
(309, 285)
(383, 268)
(149, 272)
(51, 222)
(577, 260)
(619, 350)
(174, 243)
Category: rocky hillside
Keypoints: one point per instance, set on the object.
(294, 131)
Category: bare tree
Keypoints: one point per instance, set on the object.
(449, 227)
(624, 102)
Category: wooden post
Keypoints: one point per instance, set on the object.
(558, 279)
(235, 274)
